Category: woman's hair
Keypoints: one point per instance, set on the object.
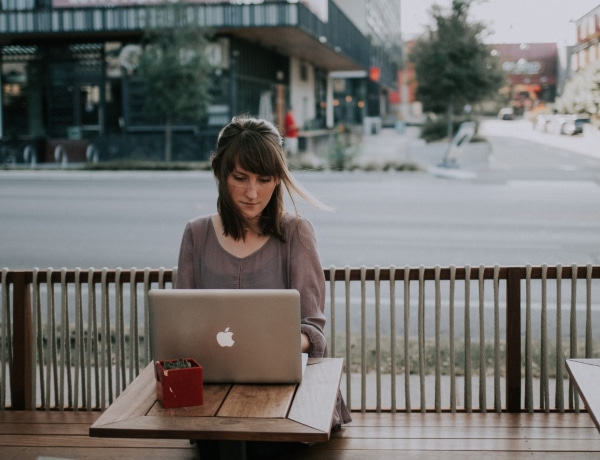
(254, 145)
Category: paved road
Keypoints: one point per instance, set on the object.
(135, 219)
(526, 203)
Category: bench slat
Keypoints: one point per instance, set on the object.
(39, 439)
(26, 416)
(432, 455)
(35, 453)
(491, 420)
(466, 444)
(423, 432)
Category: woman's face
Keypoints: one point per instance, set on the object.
(250, 192)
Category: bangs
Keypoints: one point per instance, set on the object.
(255, 154)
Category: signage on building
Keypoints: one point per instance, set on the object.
(529, 63)
(522, 67)
(375, 73)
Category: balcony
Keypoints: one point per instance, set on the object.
(290, 28)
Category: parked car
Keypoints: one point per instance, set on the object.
(574, 124)
(567, 124)
(507, 113)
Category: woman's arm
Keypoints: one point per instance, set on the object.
(185, 264)
(306, 275)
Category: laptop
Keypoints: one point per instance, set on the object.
(236, 335)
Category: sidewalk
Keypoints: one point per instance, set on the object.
(587, 143)
(393, 148)
(389, 146)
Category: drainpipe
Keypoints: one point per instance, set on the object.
(329, 118)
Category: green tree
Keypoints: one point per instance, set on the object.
(582, 92)
(453, 67)
(175, 72)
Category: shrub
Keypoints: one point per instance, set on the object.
(435, 128)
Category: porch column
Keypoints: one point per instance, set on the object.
(329, 120)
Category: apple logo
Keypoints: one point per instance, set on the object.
(225, 338)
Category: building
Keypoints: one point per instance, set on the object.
(586, 50)
(405, 99)
(379, 20)
(69, 92)
(532, 70)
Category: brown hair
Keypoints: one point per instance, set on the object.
(256, 146)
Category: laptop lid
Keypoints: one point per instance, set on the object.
(237, 335)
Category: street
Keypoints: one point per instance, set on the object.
(531, 204)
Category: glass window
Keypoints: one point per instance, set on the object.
(14, 98)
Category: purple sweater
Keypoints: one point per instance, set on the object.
(204, 264)
(293, 264)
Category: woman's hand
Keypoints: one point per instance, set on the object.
(305, 343)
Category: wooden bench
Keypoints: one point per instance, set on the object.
(35, 434)
(32, 435)
(462, 436)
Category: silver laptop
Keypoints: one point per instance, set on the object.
(236, 335)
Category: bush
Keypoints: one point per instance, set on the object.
(435, 128)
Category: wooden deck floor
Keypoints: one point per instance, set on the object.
(30, 435)
(34, 435)
(463, 437)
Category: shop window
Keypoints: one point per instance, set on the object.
(14, 99)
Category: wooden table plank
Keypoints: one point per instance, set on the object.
(218, 428)
(259, 401)
(213, 399)
(586, 375)
(139, 397)
(317, 393)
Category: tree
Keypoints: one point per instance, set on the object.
(453, 67)
(582, 92)
(175, 72)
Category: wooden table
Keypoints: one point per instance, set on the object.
(586, 375)
(233, 413)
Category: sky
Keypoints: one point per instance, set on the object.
(510, 21)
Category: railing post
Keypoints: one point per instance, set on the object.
(513, 340)
(21, 389)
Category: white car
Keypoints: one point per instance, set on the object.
(567, 124)
(507, 113)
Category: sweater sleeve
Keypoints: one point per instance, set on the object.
(306, 275)
(185, 265)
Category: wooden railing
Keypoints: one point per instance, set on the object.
(73, 339)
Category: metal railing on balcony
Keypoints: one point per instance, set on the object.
(341, 33)
(413, 339)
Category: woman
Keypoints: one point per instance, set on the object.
(252, 242)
